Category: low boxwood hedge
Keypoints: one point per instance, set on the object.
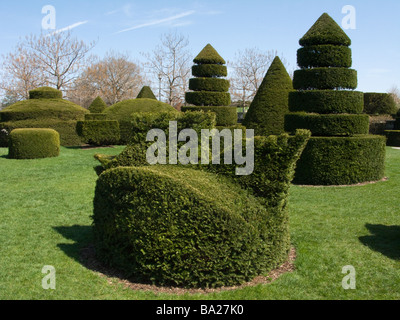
(95, 116)
(209, 84)
(379, 103)
(226, 115)
(34, 144)
(99, 132)
(209, 70)
(328, 124)
(324, 56)
(342, 160)
(325, 78)
(393, 138)
(326, 101)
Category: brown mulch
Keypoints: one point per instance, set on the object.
(114, 277)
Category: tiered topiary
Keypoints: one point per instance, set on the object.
(44, 109)
(266, 114)
(98, 106)
(340, 152)
(146, 93)
(209, 91)
(34, 144)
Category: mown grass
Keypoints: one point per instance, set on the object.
(45, 209)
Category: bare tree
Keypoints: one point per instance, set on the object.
(20, 73)
(59, 55)
(249, 68)
(395, 93)
(170, 62)
(114, 78)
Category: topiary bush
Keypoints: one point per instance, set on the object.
(379, 103)
(146, 93)
(99, 132)
(95, 116)
(208, 90)
(176, 225)
(34, 144)
(45, 93)
(97, 106)
(340, 152)
(266, 114)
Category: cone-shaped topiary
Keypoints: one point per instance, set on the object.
(146, 93)
(97, 106)
(209, 91)
(266, 114)
(340, 152)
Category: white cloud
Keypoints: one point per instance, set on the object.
(70, 27)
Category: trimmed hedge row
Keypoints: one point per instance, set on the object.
(324, 56)
(209, 70)
(208, 98)
(99, 132)
(154, 225)
(328, 124)
(379, 103)
(342, 161)
(34, 144)
(225, 115)
(393, 138)
(325, 78)
(95, 116)
(45, 93)
(209, 84)
(326, 101)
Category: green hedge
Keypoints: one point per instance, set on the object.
(379, 103)
(66, 129)
(33, 144)
(325, 31)
(208, 98)
(325, 78)
(95, 116)
(342, 161)
(226, 115)
(209, 56)
(324, 56)
(45, 93)
(99, 132)
(97, 106)
(209, 84)
(209, 70)
(146, 93)
(326, 101)
(328, 124)
(393, 138)
(172, 225)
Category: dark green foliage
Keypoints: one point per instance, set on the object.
(171, 225)
(266, 114)
(328, 124)
(379, 103)
(95, 116)
(324, 56)
(325, 31)
(209, 56)
(99, 132)
(66, 129)
(208, 98)
(209, 84)
(342, 161)
(325, 78)
(326, 101)
(393, 138)
(97, 106)
(225, 115)
(146, 93)
(209, 70)
(45, 93)
(34, 144)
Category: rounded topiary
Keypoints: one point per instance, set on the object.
(146, 93)
(97, 106)
(34, 144)
(340, 152)
(208, 90)
(379, 103)
(266, 114)
(45, 93)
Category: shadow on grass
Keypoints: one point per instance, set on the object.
(383, 239)
(81, 235)
(5, 156)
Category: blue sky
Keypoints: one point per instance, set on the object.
(134, 26)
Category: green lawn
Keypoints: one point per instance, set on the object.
(45, 209)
